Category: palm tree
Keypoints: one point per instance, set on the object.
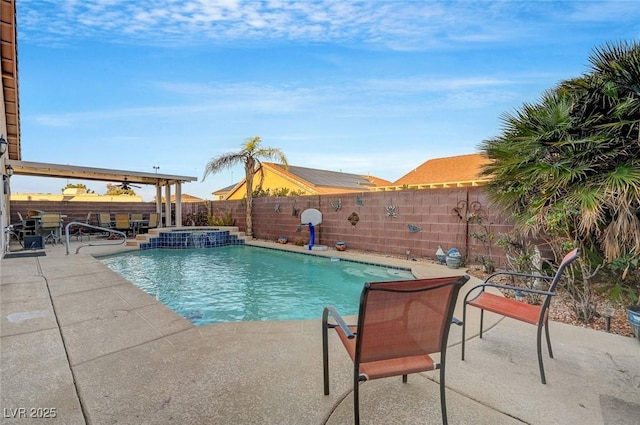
(573, 159)
(249, 156)
(568, 167)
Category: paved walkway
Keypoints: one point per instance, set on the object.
(86, 344)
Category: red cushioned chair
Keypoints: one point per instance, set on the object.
(536, 315)
(400, 324)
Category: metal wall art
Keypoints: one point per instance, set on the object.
(472, 212)
(359, 201)
(413, 228)
(277, 208)
(337, 205)
(353, 219)
(390, 211)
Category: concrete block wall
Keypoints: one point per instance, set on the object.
(433, 211)
(436, 212)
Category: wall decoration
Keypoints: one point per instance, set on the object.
(453, 258)
(359, 201)
(337, 205)
(390, 211)
(295, 211)
(353, 219)
(413, 228)
(277, 208)
(469, 212)
(440, 255)
(477, 227)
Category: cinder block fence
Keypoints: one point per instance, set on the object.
(394, 222)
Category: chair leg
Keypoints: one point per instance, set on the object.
(79, 234)
(443, 400)
(546, 331)
(539, 347)
(464, 326)
(481, 321)
(49, 238)
(404, 378)
(325, 354)
(356, 398)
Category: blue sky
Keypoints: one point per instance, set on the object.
(365, 87)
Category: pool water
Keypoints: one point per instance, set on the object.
(244, 283)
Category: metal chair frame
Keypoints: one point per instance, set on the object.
(53, 223)
(389, 360)
(536, 315)
(79, 233)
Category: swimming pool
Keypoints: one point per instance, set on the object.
(244, 283)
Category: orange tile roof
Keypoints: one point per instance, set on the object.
(378, 181)
(451, 169)
(185, 198)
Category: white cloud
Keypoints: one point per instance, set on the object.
(54, 120)
(606, 11)
(352, 100)
(402, 25)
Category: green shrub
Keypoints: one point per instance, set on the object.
(223, 219)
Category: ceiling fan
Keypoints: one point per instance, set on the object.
(125, 185)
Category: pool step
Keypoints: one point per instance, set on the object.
(153, 233)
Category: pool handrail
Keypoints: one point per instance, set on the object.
(90, 226)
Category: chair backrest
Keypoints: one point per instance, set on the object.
(122, 221)
(50, 221)
(568, 259)
(104, 219)
(153, 220)
(136, 216)
(405, 318)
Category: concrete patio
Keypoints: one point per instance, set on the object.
(81, 340)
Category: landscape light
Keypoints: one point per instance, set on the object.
(3, 145)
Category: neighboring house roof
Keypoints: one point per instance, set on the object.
(311, 181)
(322, 178)
(224, 190)
(70, 197)
(451, 171)
(185, 198)
(377, 181)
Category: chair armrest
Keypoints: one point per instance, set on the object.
(537, 276)
(340, 321)
(456, 321)
(508, 288)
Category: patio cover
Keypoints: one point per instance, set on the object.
(42, 169)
